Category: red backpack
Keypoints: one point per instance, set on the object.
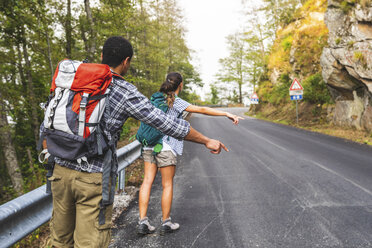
(75, 108)
(72, 119)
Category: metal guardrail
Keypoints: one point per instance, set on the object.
(126, 156)
(23, 215)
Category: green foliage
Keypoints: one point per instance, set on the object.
(280, 12)
(358, 56)
(315, 90)
(214, 92)
(191, 97)
(287, 43)
(130, 127)
(280, 92)
(346, 6)
(351, 43)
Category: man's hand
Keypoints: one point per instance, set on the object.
(215, 146)
(234, 118)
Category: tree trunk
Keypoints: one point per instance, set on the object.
(240, 94)
(68, 30)
(20, 69)
(241, 74)
(49, 54)
(144, 40)
(31, 94)
(92, 41)
(9, 151)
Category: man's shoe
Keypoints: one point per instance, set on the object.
(168, 226)
(144, 227)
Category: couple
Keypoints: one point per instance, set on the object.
(166, 160)
(77, 193)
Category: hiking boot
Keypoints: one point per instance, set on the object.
(144, 227)
(168, 226)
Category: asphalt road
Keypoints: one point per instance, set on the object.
(277, 187)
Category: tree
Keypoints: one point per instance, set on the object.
(278, 13)
(87, 25)
(214, 93)
(256, 57)
(7, 146)
(235, 67)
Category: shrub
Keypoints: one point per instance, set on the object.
(315, 90)
(287, 43)
(280, 92)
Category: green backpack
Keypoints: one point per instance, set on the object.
(148, 135)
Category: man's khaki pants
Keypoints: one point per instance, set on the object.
(76, 205)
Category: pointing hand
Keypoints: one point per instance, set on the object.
(215, 146)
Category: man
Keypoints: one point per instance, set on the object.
(77, 194)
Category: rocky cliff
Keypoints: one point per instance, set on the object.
(347, 61)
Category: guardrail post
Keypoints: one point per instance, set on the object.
(121, 183)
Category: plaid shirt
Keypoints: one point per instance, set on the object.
(126, 101)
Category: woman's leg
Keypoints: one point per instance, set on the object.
(145, 190)
(167, 174)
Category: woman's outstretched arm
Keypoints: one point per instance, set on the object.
(214, 112)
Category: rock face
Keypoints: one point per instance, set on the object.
(347, 62)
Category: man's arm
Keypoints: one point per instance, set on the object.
(139, 107)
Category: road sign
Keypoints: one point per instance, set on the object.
(296, 85)
(296, 88)
(296, 91)
(296, 97)
(254, 98)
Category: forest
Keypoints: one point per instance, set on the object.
(37, 34)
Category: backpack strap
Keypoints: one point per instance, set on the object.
(83, 106)
(117, 75)
(97, 97)
(110, 167)
(108, 186)
(105, 186)
(49, 167)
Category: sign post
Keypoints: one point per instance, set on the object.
(296, 92)
(254, 100)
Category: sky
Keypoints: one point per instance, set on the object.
(208, 23)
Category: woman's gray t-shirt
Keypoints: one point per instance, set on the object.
(176, 110)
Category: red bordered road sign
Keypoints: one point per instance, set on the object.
(254, 96)
(296, 88)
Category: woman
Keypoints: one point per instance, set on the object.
(166, 160)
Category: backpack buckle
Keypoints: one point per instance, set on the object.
(83, 105)
(43, 156)
(84, 100)
(83, 163)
